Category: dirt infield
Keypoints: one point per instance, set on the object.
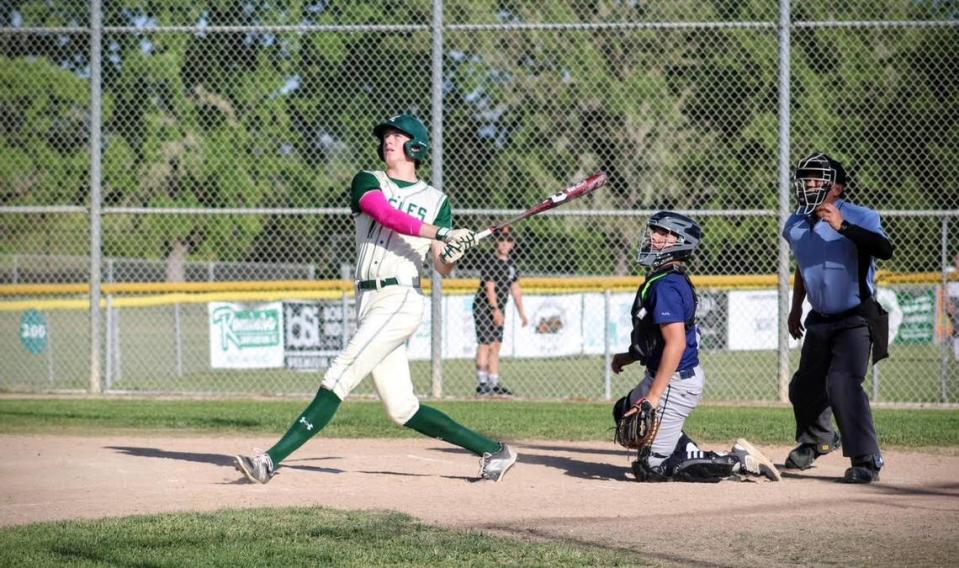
(571, 491)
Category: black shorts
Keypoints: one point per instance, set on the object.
(486, 331)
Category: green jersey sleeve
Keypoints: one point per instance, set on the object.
(362, 182)
(445, 216)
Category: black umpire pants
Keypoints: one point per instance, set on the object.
(829, 380)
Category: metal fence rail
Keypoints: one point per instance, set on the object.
(208, 142)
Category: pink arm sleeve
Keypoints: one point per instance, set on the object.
(374, 204)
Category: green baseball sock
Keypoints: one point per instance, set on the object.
(435, 424)
(314, 418)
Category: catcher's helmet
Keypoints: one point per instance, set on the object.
(818, 168)
(687, 231)
(417, 147)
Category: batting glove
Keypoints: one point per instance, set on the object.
(451, 253)
(462, 238)
(449, 235)
(460, 241)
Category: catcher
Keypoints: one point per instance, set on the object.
(650, 418)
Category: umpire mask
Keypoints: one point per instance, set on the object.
(687, 232)
(815, 177)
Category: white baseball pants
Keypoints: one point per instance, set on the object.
(677, 403)
(387, 318)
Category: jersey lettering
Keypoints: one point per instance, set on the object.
(411, 208)
(384, 253)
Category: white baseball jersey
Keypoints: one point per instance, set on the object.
(381, 252)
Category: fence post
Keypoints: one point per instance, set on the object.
(108, 378)
(96, 109)
(944, 344)
(436, 159)
(607, 354)
(117, 351)
(784, 195)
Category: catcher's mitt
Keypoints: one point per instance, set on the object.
(637, 427)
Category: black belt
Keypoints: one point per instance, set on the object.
(687, 373)
(856, 311)
(683, 373)
(383, 282)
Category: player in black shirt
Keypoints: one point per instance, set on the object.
(499, 279)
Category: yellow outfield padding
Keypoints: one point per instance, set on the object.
(198, 292)
(174, 287)
(169, 299)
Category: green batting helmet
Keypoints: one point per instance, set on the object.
(417, 147)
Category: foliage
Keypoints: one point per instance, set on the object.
(678, 118)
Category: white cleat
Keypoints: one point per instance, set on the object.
(495, 466)
(258, 469)
(755, 462)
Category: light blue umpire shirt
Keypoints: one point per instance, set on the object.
(831, 265)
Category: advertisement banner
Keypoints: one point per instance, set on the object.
(918, 309)
(314, 332)
(620, 323)
(711, 319)
(555, 327)
(755, 323)
(753, 317)
(246, 336)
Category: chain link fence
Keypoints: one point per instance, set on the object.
(228, 134)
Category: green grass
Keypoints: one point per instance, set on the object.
(283, 537)
(511, 420)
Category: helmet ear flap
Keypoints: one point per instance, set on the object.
(415, 150)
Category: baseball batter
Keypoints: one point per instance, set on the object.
(400, 222)
(664, 341)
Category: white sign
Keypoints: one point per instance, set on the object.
(555, 327)
(620, 322)
(246, 336)
(753, 317)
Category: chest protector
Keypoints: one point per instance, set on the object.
(646, 338)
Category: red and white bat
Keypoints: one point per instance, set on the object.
(570, 193)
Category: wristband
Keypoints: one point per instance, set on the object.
(843, 226)
(442, 234)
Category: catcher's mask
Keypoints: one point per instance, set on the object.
(417, 147)
(815, 177)
(688, 235)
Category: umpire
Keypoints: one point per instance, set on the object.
(835, 243)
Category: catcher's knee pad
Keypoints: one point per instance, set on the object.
(710, 469)
(651, 473)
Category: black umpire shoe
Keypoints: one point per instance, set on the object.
(865, 469)
(803, 455)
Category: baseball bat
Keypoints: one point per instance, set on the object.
(572, 192)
